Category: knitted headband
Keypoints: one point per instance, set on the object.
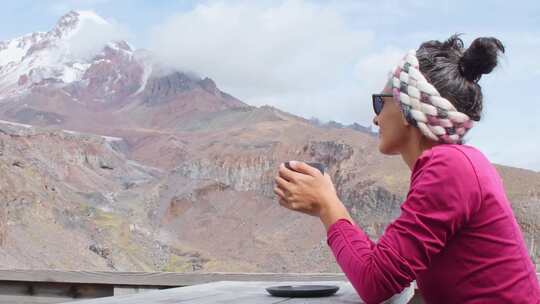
(423, 106)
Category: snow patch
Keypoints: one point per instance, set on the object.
(61, 56)
(112, 139)
(15, 124)
(12, 53)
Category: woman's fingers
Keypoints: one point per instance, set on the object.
(286, 204)
(287, 174)
(283, 199)
(294, 189)
(304, 168)
(282, 183)
(279, 192)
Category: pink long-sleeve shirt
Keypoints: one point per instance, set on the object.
(456, 236)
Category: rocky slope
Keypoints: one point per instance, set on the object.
(65, 197)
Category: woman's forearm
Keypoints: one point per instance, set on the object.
(334, 211)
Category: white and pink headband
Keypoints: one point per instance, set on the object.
(423, 106)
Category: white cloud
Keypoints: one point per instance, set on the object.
(325, 59)
(374, 68)
(63, 6)
(94, 33)
(296, 55)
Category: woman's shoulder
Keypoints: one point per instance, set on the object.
(453, 152)
(447, 174)
(455, 159)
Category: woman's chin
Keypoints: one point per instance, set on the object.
(382, 148)
(385, 149)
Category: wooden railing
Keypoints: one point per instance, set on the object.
(50, 286)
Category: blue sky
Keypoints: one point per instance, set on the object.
(324, 58)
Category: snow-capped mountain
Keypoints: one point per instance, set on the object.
(54, 57)
(82, 67)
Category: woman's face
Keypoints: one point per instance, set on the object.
(394, 131)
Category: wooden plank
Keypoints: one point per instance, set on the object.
(204, 293)
(240, 293)
(37, 293)
(171, 279)
(55, 290)
(223, 292)
(22, 299)
(126, 290)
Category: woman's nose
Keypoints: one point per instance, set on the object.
(376, 121)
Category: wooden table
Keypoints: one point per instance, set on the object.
(240, 292)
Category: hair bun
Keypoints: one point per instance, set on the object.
(480, 58)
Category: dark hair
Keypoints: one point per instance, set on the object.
(455, 72)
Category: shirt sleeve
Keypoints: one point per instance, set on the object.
(439, 202)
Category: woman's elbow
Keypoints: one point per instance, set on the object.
(371, 285)
(372, 296)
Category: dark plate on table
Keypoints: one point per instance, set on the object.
(302, 291)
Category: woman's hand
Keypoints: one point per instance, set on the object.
(306, 190)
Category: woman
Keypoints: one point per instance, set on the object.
(456, 234)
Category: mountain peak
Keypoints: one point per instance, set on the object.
(72, 22)
(79, 40)
(85, 56)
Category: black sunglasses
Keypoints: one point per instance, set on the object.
(378, 102)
